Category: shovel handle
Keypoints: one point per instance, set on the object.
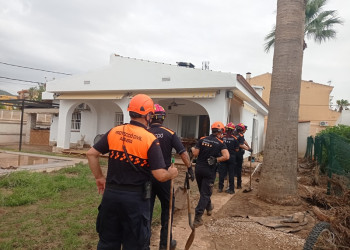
(170, 206)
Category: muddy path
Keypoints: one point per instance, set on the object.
(228, 227)
(181, 229)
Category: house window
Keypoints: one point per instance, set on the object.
(119, 118)
(188, 126)
(76, 121)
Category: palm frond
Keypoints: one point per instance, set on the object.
(270, 40)
(324, 35)
(312, 8)
(320, 28)
(318, 24)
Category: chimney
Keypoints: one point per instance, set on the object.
(247, 77)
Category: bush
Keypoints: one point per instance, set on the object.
(341, 130)
(332, 147)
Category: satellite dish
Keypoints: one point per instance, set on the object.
(97, 138)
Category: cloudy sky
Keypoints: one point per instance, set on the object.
(75, 36)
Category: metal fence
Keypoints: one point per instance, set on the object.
(332, 154)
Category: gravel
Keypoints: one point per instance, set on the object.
(243, 233)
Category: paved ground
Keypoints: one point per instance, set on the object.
(55, 162)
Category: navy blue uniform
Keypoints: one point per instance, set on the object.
(124, 215)
(168, 140)
(205, 174)
(239, 160)
(228, 166)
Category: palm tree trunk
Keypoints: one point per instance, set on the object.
(278, 181)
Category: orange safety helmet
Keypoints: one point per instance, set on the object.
(141, 104)
(219, 126)
(230, 125)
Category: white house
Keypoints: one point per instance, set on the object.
(94, 102)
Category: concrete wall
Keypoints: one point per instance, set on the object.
(10, 123)
(10, 132)
(15, 115)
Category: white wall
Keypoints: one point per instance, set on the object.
(53, 130)
(172, 121)
(344, 118)
(260, 132)
(303, 134)
(216, 108)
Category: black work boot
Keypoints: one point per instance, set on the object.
(230, 191)
(210, 210)
(172, 245)
(198, 221)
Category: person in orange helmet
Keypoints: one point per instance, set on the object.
(134, 156)
(228, 166)
(209, 151)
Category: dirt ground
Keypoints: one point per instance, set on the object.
(231, 225)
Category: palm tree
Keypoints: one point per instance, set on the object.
(342, 104)
(278, 182)
(318, 24)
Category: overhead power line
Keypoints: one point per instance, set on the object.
(19, 66)
(13, 79)
(20, 83)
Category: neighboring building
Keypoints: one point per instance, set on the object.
(23, 94)
(7, 97)
(94, 102)
(4, 95)
(314, 101)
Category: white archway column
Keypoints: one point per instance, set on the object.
(123, 104)
(217, 108)
(64, 123)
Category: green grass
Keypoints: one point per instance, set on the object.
(28, 188)
(50, 210)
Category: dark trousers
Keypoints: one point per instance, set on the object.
(238, 168)
(225, 168)
(123, 220)
(162, 191)
(205, 177)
